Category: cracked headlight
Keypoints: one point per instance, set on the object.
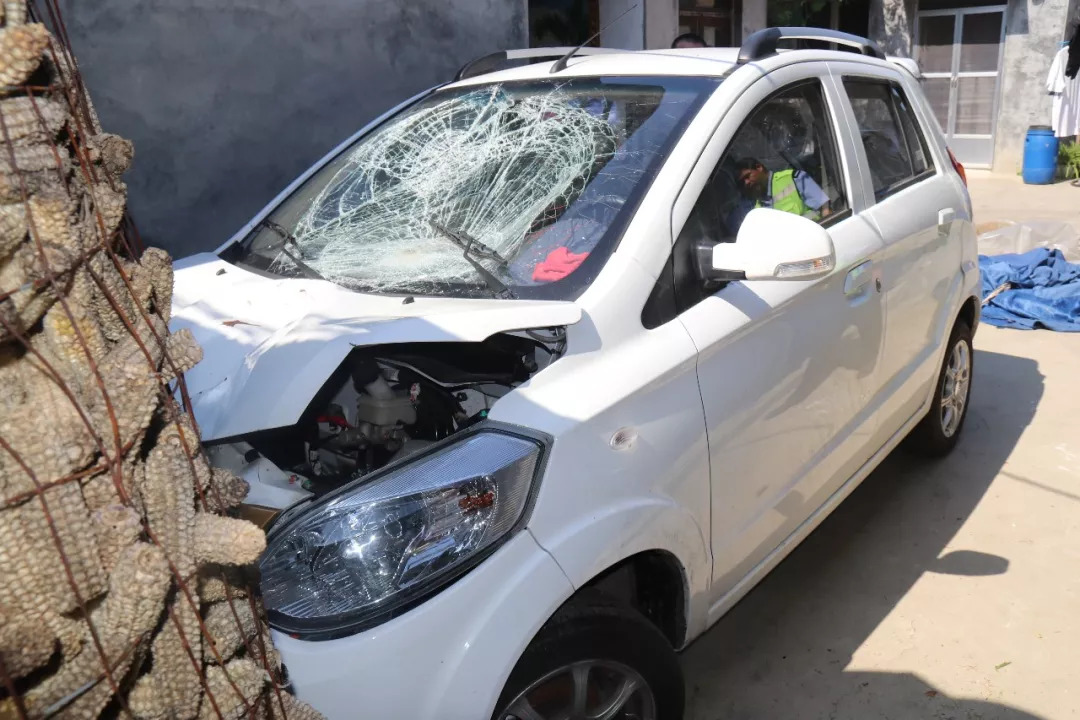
(371, 548)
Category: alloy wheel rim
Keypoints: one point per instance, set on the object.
(585, 690)
(954, 388)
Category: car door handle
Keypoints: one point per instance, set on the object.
(945, 218)
(858, 279)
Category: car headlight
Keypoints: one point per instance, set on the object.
(375, 546)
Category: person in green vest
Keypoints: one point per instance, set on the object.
(792, 191)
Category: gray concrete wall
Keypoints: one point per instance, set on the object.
(1033, 31)
(228, 100)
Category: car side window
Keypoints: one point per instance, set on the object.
(783, 156)
(896, 149)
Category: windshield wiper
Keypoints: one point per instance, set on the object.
(286, 239)
(473, 250)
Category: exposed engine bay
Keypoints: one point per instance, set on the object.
(384, 403)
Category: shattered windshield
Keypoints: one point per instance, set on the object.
(505, 190)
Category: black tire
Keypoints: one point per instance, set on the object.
(930, 437)
(592, 626)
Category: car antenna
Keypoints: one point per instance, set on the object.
(560, 64)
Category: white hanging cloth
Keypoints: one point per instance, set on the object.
(1065, 116)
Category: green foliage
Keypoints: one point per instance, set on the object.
(794, 12)
(1069, 159)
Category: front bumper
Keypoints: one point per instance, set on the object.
(446, 659)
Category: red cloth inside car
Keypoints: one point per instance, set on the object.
(559, 263)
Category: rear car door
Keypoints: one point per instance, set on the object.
(787, 369)
(915, 204)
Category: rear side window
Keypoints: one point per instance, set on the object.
(895, 146)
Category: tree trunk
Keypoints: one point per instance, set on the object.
(891, 23)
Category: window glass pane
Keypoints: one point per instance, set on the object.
(975, 105)
(937, 92)
(880, 127)
(713, 20)
(980, 40)
(936, 43)
(913, 134)
(539, 171)
(952, 4)
(784, 156)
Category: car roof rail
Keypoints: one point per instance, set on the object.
(762, 44)
(908, 64)
(504, 59)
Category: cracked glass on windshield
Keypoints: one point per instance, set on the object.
(519, 187)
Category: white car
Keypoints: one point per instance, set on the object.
(551, 364)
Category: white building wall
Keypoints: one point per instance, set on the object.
(754, 17)
(661, 23)
(628, 31)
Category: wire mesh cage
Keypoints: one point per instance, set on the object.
(127, 588)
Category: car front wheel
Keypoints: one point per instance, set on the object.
(595, 659)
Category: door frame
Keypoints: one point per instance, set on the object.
(741, 557)
(954, 73)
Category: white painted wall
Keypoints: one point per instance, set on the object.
(753, 17)
(661, 23)
(628, 32)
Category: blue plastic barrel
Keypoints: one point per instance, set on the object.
(1040, 155)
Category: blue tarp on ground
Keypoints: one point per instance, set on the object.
(1044, 292)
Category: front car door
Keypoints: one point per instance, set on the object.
(919, 212)
(787, 369)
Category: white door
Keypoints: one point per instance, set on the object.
(915, 204)
(959, 53)
(787, 369)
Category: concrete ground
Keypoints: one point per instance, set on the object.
(938, 590)
(1005, 198)
(946, 589)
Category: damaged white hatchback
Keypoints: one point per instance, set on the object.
(542, 371)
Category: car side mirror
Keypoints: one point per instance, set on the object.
(771, 245)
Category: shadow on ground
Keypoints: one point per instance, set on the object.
(782, 652)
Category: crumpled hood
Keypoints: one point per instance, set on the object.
(269, 344)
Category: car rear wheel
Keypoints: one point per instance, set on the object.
(595, 659)
(939, 431)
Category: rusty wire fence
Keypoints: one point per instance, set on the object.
(126, 586)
